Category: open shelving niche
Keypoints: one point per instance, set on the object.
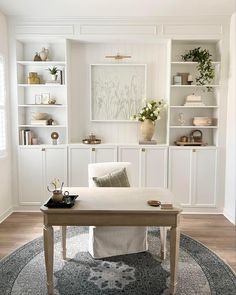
(25, 51)
(178, 93)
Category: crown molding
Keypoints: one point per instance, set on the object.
(222, 19)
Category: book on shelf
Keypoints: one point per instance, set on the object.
(25, 137)
(39, 122)
(53, 82)
(192, 103)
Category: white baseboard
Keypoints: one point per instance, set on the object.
(229, 216)
(5, 214)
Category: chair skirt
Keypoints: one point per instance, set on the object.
(106, 241)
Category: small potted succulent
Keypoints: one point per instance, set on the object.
(53, 71)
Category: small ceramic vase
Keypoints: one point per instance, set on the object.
(44, 54)
(54, 77)
(57, 196)
(37, 57)
(147, 129)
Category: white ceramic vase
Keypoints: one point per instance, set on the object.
(147, 129)
(43, 54)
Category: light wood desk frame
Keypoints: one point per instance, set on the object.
(77, 217)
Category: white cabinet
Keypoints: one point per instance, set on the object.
(149, 164)
(192, 176)
(37, 167)
(81, 155)
(30, 176)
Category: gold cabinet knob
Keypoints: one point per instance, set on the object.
(143, 149)
(43, 149)
(93, 149)
(194, 150)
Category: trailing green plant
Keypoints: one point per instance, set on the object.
(53, 70)
(205, 68)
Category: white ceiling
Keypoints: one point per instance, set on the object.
(119, 8)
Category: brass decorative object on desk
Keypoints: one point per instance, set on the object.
(33, 78)
(91, 140)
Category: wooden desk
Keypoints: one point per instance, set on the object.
(112, 207)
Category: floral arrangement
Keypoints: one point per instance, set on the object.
(151, 110)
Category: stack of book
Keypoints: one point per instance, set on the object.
(26, 137)
(194, 100)
(39, 122)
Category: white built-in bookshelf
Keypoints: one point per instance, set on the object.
(28, 95)
(178, 93)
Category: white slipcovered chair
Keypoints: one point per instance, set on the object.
(105, 241)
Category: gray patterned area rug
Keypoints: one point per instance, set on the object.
(201, 272)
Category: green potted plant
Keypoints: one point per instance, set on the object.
(205, 68)
(149, 113)
(53, 71)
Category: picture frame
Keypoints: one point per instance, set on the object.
(45, 98)
(38, 99)
(116, 91)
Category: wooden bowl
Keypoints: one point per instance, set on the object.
(154, 203)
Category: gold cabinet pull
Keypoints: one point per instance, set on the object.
(194, 150)
(93, 149)
(143, 149)
(43, 149)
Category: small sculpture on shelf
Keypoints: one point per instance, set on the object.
(195, 138)
(44, 54)
(37, 57)
(181, 119)
(54, 137)
(91, 139)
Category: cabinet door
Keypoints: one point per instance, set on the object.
(104, 154)
(79, 158)
(180, 175)
(55, 166)
(30, 176)
(132, 155)
(154, 167)
(205, 177)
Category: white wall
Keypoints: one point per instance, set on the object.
(5, 162)
(230, 181)
(154, 55)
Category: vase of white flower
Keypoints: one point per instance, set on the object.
(147, 129)
(147, 116)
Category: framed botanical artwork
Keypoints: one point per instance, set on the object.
(117, 91)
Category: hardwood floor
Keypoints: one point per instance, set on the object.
(214, 231)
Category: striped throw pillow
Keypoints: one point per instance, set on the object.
(117, 178)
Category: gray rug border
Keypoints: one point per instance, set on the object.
(187, 243)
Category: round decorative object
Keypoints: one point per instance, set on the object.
(54, 135)
(196, 135)
(147, 129)
(154, 203)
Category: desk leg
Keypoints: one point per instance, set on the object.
(174, 256)
(48, 252)
(63, 242)
(163, 241)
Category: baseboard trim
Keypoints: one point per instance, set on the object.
(5, 214)
(229, 216)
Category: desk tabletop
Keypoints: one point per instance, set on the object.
(116, 200)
